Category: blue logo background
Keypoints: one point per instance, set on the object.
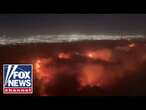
(21, 67)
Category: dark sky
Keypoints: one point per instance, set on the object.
(31, 24)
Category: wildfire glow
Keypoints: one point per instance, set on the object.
(63, 55)
(42, 72)
(101, 68)
(132, 45)
(38, 65)
(104, 54)
(92, 75)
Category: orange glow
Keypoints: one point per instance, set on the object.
(92, 55)
(132, 45)
(37, 66)
(103, 54)
(64, 56)
(41, 71)
(44, 73)
(91, 75)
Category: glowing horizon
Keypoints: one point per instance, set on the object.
(4, 40)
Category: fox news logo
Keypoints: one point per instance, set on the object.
(17, 79)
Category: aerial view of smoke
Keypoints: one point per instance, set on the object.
(77, 54)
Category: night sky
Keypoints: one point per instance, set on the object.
(34, 24)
